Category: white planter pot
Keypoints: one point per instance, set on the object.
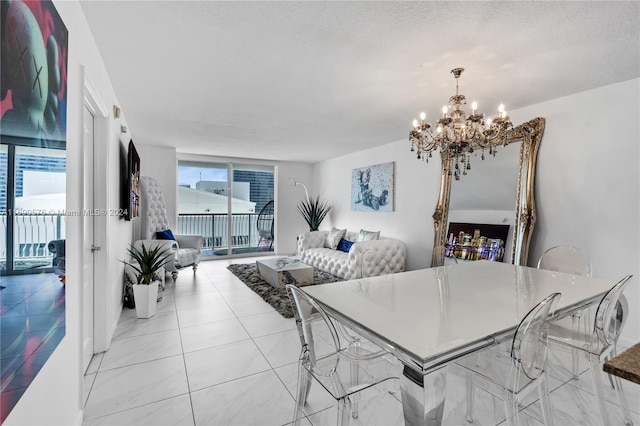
(145, 297)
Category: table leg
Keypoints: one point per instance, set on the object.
(423, 396)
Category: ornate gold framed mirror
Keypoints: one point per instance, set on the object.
(529, 135)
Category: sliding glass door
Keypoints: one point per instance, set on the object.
(223, 202)
(253, 232)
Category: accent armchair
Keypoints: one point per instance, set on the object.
(153, 219)
(57, 248)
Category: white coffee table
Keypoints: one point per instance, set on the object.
(283, 271)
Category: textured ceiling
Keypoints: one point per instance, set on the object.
(308, 81)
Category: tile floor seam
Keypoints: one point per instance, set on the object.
(95, 375)
(235, 379)
(215, 347)
(140, 363)
(184, 361)
(139, 335)
(133, 408)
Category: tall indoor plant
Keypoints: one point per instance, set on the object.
(147, 263)
(313, 210)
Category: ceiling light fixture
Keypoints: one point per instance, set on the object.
(458, 136)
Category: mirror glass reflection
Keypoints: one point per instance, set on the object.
(490, 189)
(485, 196)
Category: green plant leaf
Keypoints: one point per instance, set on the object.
(314, 211)
(148, 261)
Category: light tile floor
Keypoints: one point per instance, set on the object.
(216, 354)
(32, 324)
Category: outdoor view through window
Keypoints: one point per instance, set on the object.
(230, 204)
(32, 263)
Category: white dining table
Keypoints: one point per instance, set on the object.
(428, 318)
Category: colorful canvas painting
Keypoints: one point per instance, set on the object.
(33, 122)
(34, 74)
(372, 188)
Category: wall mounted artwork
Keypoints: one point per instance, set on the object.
(33, 123)
(34, 73)
(372, 188)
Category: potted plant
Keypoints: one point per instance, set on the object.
(147, 263)
(312, 210)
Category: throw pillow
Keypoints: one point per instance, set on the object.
(345, 245)
(368, 235)
(334, 237)
(165, 235)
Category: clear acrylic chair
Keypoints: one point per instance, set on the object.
(527, 365)
(373, 262)
(566, 259)
(361, 374)
(570, 260)
(599, 344)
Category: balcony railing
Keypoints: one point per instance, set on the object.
(214, 228)
(31, 235)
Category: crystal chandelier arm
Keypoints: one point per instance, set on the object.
(458, 135)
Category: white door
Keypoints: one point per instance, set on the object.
(87, 244)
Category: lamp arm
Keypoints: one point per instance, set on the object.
(303, 185)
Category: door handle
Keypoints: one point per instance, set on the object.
(94, 248)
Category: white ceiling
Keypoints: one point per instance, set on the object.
(308, 81)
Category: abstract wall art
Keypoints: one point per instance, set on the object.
(372, 188)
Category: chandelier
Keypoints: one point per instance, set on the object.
(458, 136)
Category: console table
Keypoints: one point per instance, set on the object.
(626, 364)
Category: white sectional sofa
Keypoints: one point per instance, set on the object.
(382, 255)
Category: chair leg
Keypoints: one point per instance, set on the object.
(195, 267)
(470, 396)
(302, 391)
(545, 401)
(575, 325)
(596, 379)
(344, 412)
(471, 389)
(623, 401)
(355, 379)
(511, 407)
(616, 383)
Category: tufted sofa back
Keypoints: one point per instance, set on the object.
(364, 259)
(153, 213)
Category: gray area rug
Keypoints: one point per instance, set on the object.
(248, 274)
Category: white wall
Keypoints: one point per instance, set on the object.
(416, 193)
(55, 396)
(289, 223)
(587, 187)
(588, 183)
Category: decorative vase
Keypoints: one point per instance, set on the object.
(145, 296)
